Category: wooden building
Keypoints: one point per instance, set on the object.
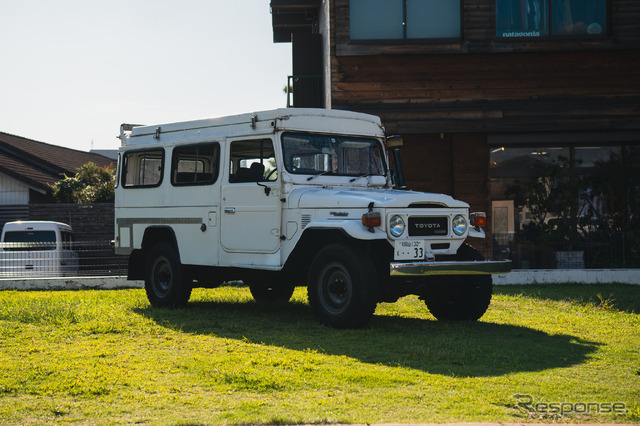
(484, 92)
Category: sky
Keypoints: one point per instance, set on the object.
(71, 71)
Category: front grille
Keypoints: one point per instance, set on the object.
(428, 226)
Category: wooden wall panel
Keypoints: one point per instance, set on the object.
(427, 163)
(477, 76)
(452, 164)
(492, 92)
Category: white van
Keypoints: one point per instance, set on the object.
(37, 249)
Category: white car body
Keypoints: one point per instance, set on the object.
(37, 249)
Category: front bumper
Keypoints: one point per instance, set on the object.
(424, 269)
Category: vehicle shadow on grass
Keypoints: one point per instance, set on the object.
(620, 297)
(464, 349)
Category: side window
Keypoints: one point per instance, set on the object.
(142, 168)
(253, 161)
(66, 240)
(195, 164)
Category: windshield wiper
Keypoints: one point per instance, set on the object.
(360, 177)
(326, 172)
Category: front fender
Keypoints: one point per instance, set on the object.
(476, 232)
(352, 228)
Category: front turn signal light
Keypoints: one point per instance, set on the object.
(478, 219)
(371, 220)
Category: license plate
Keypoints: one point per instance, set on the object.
(409, 250)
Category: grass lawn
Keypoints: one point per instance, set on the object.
(565, 353)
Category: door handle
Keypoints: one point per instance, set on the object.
(230, 210)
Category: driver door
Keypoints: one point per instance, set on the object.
(251, 206)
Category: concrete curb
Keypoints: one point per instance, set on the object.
(69, 283)
(518, 277)
(582, 276)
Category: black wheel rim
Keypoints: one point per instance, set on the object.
(162, 277)
(336, 288)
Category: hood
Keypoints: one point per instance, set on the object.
(345, 198)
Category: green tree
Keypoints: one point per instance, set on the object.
(91, 184)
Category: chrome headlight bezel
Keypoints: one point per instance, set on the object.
(397, 226)
(459, 225)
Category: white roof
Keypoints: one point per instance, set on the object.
(261, 122)
(35, 225)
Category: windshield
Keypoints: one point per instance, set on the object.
(316, 154)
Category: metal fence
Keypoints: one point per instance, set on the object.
(607, 251)
(96, 258)
(83, 258)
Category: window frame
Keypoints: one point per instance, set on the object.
(215, 164)
(406, 40)
(125, 167)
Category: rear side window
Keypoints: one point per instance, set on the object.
(142, 168)
(195, 164)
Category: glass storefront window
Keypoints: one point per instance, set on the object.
(556, 18)
(524, 162)
(591, 156)
(522, 18)
(578, 17)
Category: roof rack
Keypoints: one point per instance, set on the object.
(124, 127)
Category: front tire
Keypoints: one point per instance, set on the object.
(166, 281)
(460, 297)
(343, 287)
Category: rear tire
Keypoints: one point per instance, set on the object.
(343, 287)
(166, 281)
(460, 297)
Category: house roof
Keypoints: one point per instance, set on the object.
(39, 164)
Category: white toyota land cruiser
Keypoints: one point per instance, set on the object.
(293, 197)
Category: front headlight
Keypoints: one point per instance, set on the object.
(396, 226)
(459, 225)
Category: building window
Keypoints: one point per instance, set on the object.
(404, 19)
(555, 18)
